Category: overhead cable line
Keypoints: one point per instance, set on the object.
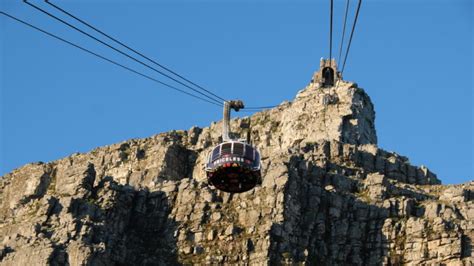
(352, 33)
(105, 59)
(343, 33)
(131, 49)
(330, 31)
(121, 52)
(143, 55)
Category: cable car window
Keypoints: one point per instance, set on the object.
(238, 149)
(226, 148)
(215, 153)
(257, 159)
(249, 152)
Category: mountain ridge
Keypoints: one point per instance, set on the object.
(329, 196)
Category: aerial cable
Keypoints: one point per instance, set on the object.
(330, 32)
(352, 33)
(131, 49)
(343, 32)
(141, 54)
(105, 59)
(121, 52)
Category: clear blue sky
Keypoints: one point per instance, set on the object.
(414, 58)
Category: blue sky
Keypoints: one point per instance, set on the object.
(414, 59)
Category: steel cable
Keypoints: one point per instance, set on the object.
(352, 33)
(131, 49)
(343, 32)
(330, 32)
(104, 58)
(119, 51)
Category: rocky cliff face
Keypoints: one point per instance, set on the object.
(329, 196)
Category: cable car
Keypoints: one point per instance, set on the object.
(234, 165)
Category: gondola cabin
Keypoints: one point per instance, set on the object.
(234, 166)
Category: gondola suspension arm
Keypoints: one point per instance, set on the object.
(236, 105)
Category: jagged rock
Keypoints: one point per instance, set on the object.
(329, 196)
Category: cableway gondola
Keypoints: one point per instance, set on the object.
(234, 165)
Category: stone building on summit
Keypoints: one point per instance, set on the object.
(327, 75)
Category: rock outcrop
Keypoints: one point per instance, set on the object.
(329, 196)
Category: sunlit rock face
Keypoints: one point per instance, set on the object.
(329, 196)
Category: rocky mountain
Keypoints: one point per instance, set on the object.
(329, 196)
